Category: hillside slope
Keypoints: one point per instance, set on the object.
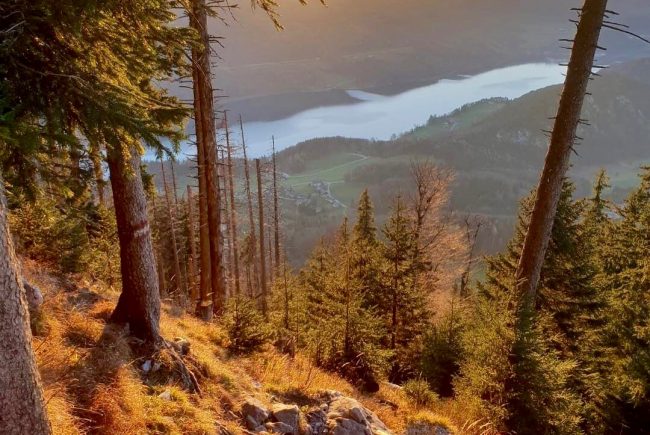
(95, 381)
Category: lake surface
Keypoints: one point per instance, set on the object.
(379, 117)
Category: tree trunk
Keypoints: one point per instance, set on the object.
(22, 409)
(202, 116)
(192, 247)
(276, 214)
(139, 302)
(233, 211)
(251, 219)
(178, 279)
(100, 183)
(557, 158)
(203, 86)
(260, 203)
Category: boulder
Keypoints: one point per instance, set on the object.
(317, 421)
(346, 426)
(254, 413)
(351, 409)
(288, 415)
(280, 427)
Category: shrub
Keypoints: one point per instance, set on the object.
(246, 327)
(418, 391)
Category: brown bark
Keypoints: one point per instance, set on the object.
(192, 246)
(557, 158)
(233, 211)
(177, 278)
(251, 219)
(260, 204)
(100, 183)
(209, 145)
(22, 408)
(139, 302)
(276, 214)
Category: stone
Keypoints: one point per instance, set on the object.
(33, 295)
(348, 408)
(347, 426)
(254, 412)
(181, 345)
(166, 395)
(146, 367)
(317, 420)
(287, 414)
(279, 427)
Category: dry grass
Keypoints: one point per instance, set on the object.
(93, 382)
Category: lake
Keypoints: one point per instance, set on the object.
(380, 117)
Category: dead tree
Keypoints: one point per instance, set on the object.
(557, 159)
(100, 183)
(260, 205)
(233, 210)
(206, 140)
(472, 229)
(177, 279)
(192, 247)
(251, 220)
(21, 396)
(276, 215)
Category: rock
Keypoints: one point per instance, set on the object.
(346, 408)
(317, 420)
(146, 367)
(287, 414)
(280, 427)
(181, 345)
(33, 295)
(346, 426)
(254, 412)
(166, 395)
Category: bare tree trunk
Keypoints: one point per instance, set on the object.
(22, 408)
(276, 215)
(557, 158)
(251, 219)
(209, 146)
(192, 246)
(260, 203)
(471, 233)
(100, 183)
(233, 210)
(139, 302)
(177, 279)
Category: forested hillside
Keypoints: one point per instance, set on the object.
(341, 286)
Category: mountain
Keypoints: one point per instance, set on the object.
(496, 148)
(387, 47)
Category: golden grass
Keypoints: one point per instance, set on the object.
(93, 384)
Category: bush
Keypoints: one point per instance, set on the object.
(418, 391)
(246, 327)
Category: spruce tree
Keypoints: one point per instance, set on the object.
(542, 391)
(627, 332)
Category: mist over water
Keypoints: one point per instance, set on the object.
(380, 117)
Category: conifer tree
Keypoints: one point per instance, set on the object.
(543, 390)
(627, 331)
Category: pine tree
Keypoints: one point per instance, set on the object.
(627, 331)
(543, 389)
(404, 306)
